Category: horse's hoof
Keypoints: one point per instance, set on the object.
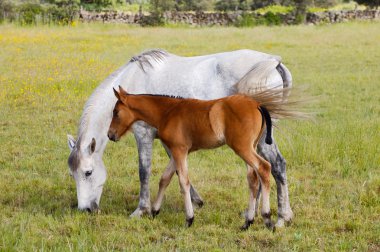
(189, 222)
(139, 212)
(288, 217)
(198, 202)
(280, 223)
(270, 226)
(246, 225)
(155, 213)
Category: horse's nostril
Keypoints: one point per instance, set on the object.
(88, 209)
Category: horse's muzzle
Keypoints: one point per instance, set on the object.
(94, 208)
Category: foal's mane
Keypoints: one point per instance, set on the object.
(160, 95)
(145, 59)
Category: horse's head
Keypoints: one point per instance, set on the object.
(122, 117)
(88, 171)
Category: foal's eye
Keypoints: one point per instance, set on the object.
(88, 173)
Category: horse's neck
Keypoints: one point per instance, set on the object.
(151, 109)
(96, 123)
(97, 113)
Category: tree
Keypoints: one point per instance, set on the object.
(160, 6)
(369, 3)
(232, 5)
(193, 5)
(301, 9)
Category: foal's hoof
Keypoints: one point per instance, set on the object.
(246, 225)
(155, 212)
(189, 222)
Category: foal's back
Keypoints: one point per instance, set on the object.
(209, 124)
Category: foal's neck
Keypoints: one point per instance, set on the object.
(150, 108)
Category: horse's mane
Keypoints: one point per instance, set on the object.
(145, 59)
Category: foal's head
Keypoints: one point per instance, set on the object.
(122, 118)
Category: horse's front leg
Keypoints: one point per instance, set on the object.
(144, 136)
(272, 154)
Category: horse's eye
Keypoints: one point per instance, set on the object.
(88, 173)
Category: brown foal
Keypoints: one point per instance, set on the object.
(186, 125)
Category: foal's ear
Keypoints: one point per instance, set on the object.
(122, 91)
(116, 94)
(71, 142)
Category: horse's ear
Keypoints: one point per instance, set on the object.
(122, 91)
(91, 147)
(116, 94)
(71, 142)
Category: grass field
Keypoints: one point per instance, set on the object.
(47, 73)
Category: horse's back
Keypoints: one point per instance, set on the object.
(203, 77)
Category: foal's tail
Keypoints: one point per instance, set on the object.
(268, 121)
(273, 105)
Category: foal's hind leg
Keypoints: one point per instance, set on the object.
(253, 184)
(164, 182)
(263, 171)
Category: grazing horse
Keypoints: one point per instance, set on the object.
(158, 72)
(187, 125)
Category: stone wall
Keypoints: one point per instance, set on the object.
(341, 16)
(225, 19)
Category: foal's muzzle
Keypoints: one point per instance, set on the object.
(112, 136)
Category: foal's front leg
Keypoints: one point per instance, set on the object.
(180, 156)
(195, 197)
(164, 182)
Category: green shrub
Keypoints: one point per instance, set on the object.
(245, 20)
(7, 10)
(63, 15)
(28, 13)
(275, 9)
(272, 18)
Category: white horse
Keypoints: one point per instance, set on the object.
(158, 72)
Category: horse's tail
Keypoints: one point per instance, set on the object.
(268, 121)
(265, 74)
(272, 105)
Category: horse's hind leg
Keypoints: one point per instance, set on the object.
(273, 155)
(195, 197)
(253, 184)
(164, 182)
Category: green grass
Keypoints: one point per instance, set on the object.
(47, 73)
